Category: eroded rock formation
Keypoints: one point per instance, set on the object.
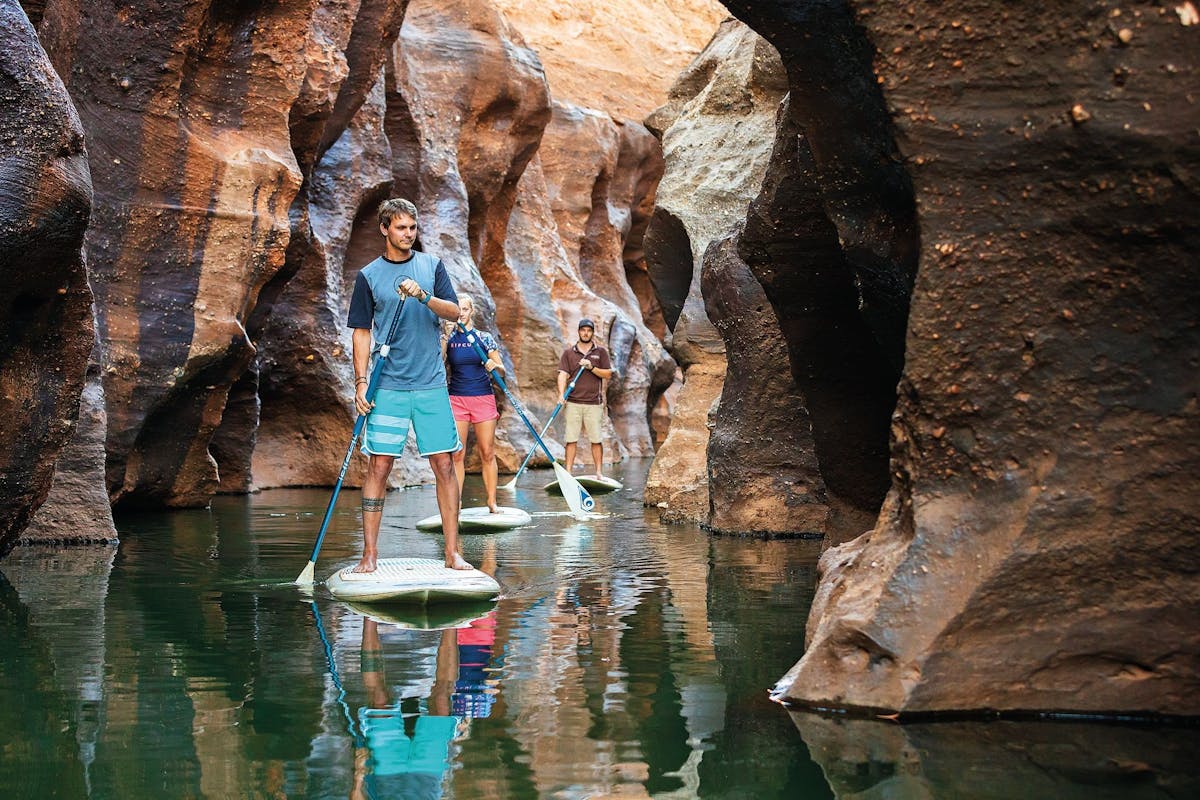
(716, 130)
(455, 124)
(600, 173)
(45, 314)
(186, 108)
(284, 420)
(1035, 550)
(763, 474)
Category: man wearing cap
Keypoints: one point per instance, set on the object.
(585, 406)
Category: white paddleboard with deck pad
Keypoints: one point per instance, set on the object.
(479, 519)
(591, 483)
(413, 581)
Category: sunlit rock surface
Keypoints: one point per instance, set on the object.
(456, 121)
(304, 375)
(45, 317)
(622, 56)
(716, 128)
(1035, 550)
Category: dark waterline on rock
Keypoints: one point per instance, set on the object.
(625, 659)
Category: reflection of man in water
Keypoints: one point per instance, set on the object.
(408, 752)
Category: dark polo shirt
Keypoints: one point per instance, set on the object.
(587, 388)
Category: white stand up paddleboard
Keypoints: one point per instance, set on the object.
(591, 483)
(416, 581)
(479, 520)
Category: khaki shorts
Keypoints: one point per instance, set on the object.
(586, 416)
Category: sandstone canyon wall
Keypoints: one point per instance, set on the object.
(239, 152)
(716, 128)
(620, 57)
(1035, 550)
(45, 301)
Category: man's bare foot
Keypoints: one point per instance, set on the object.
(367, 564)
(456, 561)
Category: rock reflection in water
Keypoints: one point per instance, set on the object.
(867, 759)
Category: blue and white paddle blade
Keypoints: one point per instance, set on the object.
(577, 497)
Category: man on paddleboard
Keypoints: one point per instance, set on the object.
(412, 385)
(585, 407)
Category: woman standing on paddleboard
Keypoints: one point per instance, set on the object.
(471, 396)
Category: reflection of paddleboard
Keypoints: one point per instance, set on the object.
(415, 581)
(480, 520)
(452, 615)
(591, 483)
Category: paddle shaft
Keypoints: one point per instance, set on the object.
(549, 422)
(359, 424)
(516, 404)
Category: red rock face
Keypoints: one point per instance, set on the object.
(44, 296)
(287, 419)
(241, 153)
(600, 173)
(1033, 552)
(186, 112)
(455, 126)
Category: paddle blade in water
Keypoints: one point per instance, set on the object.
(305, 578)
(577, 497)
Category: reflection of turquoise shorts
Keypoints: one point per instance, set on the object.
(426, 411)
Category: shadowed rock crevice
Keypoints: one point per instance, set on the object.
(843, 371)
(837, 106)
(669, 256)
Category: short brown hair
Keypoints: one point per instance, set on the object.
(394, 207)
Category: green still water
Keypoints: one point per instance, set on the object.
(625, 659)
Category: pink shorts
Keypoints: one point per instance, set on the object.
(474, 408)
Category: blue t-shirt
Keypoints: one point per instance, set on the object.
(468, 378)
(415, 360)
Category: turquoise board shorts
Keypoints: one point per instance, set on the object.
(426, 411)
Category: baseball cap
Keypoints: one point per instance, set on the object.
(586, 323)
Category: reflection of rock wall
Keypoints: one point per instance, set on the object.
(54, 611)
(1045, 440)
(995, 760)
(45, 317)
(716, 130)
